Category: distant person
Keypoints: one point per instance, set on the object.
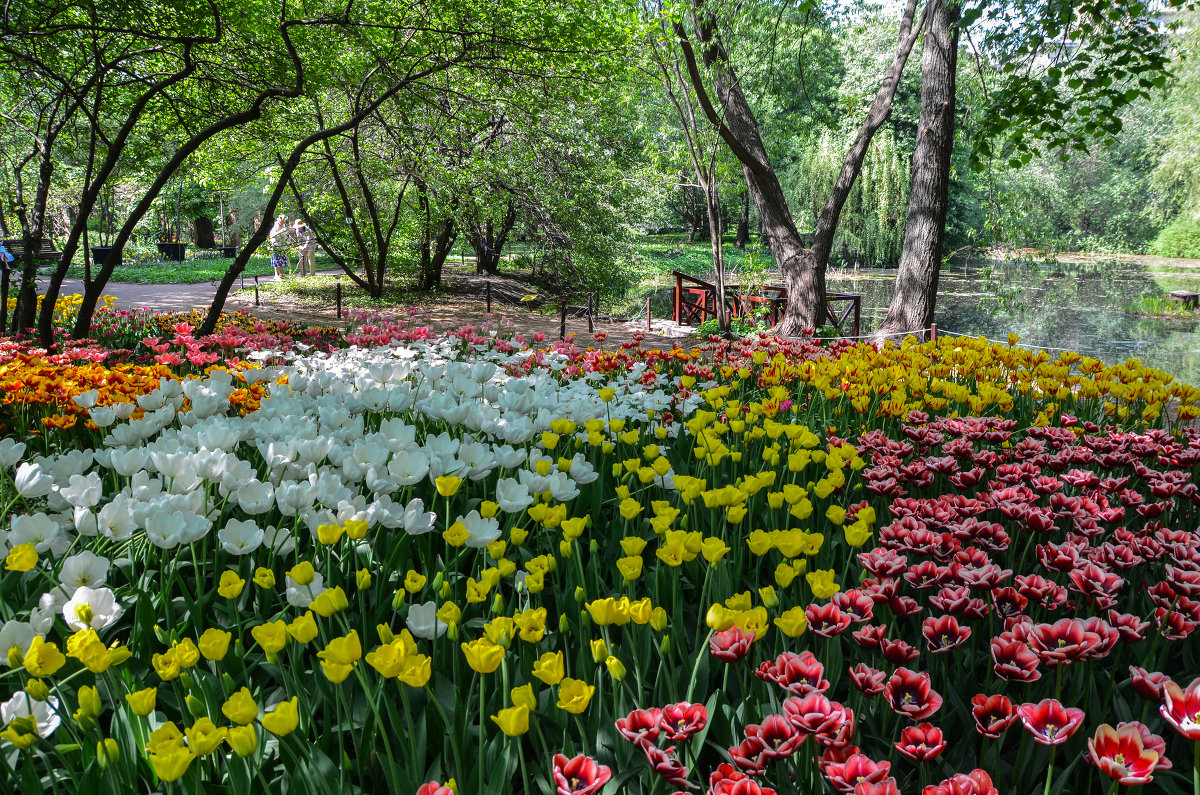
(279, 241)
(6, 258)
(307, 242)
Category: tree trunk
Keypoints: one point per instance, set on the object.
(202, 232)
(743, 227)
(803, 269)
(915, 296)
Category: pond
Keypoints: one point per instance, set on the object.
(1085, 304)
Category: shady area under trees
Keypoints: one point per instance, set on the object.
(562, 139)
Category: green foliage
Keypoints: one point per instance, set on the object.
(1180, 238)
(871, 231)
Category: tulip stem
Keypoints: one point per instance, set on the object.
(1050, 770)
(1196, 767)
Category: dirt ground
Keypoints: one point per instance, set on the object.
(463, 302)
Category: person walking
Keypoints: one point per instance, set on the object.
(279, 241)
(308, 245)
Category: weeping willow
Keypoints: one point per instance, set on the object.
(871, 230)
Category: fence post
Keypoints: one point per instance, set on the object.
(488, 291)
(678, 299)
(591, 325)
(933, 332)
(857, 315)
(339, 298)
(256, 291)
(4, 298)
(562, 320)
(648, 314)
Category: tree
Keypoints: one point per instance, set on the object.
(929, 195)
(803, 268)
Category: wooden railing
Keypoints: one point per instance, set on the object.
(695, 301)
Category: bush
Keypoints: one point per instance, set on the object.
(1180, 238)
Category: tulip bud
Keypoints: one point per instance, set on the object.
(107, 752)
(195, 706)
(89, 701)
(580, 594)
(498, 604)
(593, 547)
(15, 658)
(599, 650)
(162, 636)
(564, 626)
(683, 522)
(438, 579)
(398, 598)
(186, 681)
(443, 589)
(665, 646)
(615, 667)
(658, 619)
(452, 630)
(37, 689)
(385, 633)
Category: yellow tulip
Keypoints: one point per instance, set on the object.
(483, 655)
(574, 695)
(283, 719)
(513, 721)
(550, 668)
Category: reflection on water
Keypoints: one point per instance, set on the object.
(1081, 306)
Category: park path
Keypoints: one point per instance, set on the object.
(448, 313)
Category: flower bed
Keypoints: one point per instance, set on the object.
(748, 567)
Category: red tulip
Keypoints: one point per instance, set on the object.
(909, 693)
(680, 721)
(993, 714)
(1148, 685)
(814, 713)
(730, 645)
(858, 769)
(898, 652)
(1063, 642)
(886, 787)
(579, 776)
(728, 781)
(1014, 661)
(641, 724)
(1131, 628)
(434, 788)
(750, 756)
(944, 633)
(777, 735)
(921, 742)
(666, 764)
(796, 673)
(1121, 754)
(855, 604)
(826, 620)
(1181, 708)
(867, 679)
(904, 606)
(869, 637)
(1050, 722)
(977, 782)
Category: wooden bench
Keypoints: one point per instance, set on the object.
(46, 250)
(1185, 297)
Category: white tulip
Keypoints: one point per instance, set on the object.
(481, 531)
(240, 538)
(32, 482)
(96, 608)
(83, 491)
(86, 568)
(23, 705)
(423, 622)
(15, 637)
(256, 497)
(10, 452)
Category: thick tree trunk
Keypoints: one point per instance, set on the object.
(202, 232)
(803, 269)
(743, 227)
(915, 297)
